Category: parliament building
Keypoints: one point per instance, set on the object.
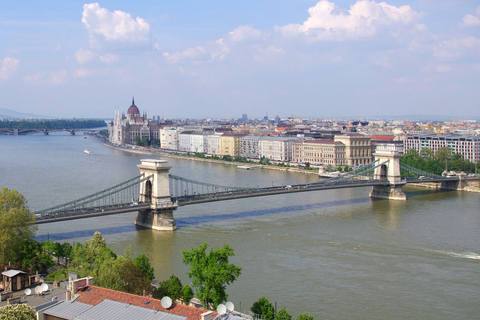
(124, 129)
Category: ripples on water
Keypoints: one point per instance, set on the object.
(333, 254)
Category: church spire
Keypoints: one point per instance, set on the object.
(133, 100)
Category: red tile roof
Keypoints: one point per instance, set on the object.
(385, 137)
(93, 295)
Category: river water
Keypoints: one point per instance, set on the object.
(332, 254)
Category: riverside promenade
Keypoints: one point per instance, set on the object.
(162, 153)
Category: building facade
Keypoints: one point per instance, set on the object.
(467, 146)
(319, 152)
(358, 148)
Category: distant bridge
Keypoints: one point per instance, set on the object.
(155, 193)
(20, 131)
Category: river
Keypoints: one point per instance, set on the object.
(333, 254)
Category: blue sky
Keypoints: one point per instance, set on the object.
(218, 59)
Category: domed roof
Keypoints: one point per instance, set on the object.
(133, 110)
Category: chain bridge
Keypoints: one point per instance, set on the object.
(155, 194)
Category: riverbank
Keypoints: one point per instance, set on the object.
(160, 153)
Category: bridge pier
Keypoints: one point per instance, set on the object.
(156, 191)
(390, 171)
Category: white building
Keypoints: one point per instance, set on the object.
(467, 146)
(198, 142)
(169, 138)
(276, 148)
(213, 144)
(250, 147)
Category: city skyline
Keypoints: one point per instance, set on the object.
(196, 59)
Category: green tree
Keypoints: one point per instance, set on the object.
(17, 224)
(305, 316)
(263, 309)
(133, 279)
(187, 294)
(96, 244)
(172, 287)
(283, 315)
(211, 273)
(144, 264)
(17, 312)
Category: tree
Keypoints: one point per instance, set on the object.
(211, 273)
(172, 287)
(17, 312)
(17, 224)
(305, 316)
(263, 309)
(144, 264)
(283, 315)
(187, 293)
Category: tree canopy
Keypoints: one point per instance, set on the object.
(210, 273)
(17, 312)
(17, 224)
(263, 309)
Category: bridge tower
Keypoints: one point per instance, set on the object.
(390, 171)
(156, 191)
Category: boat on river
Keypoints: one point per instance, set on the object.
(87, 151)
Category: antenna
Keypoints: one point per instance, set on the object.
(38, 289)
(230, 307)
(221, 309)
(166, 302)
(44, 287)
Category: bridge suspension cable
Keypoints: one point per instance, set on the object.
(122, 193)
(410, 172)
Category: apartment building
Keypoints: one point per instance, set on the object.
(276, 148)
(324, 152)
(467, 146)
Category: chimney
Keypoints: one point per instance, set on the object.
(207, 315)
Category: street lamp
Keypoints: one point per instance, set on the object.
(240, 306)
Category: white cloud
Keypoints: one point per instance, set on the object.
(82, 73)
(269, 54)
(219, 49)
(8, 66)
(35, 79)
(457, 47)
(189, 54)
(443, 68)
(471, 20)
(114, 26)
(108, 58)
(57, 77)
(364, 19)
(83, 56)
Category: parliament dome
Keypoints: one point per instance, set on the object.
(133, 110)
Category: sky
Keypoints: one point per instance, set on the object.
(222, 59)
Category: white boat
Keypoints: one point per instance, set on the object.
(86, 151)
(330, 174)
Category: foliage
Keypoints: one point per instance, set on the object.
(283, 315)
(132, 278)
(60, 274)
(143, 263)
(17, 224)
(172, 287)
(305, 316)
(263, 309)
(52, 124)
(17, 312)
(436, 163)
(211, 273)
(187, 293)
(264, 161)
